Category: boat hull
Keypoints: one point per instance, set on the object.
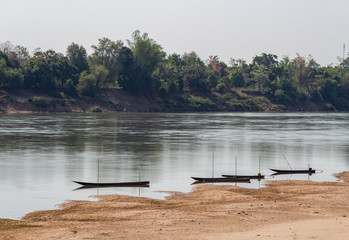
(244, 176)
(307, 171)
(222, 179)
(116, 184)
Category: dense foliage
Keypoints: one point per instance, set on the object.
(183, 82)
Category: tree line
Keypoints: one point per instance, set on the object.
(141, 67)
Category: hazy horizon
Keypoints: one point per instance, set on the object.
(226, 28)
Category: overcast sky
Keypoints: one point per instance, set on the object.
(226, 28)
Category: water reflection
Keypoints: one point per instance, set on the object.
(42, 154)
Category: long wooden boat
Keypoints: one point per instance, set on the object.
(289, 171)
(222, 179)
(244, 176)
(115, 184)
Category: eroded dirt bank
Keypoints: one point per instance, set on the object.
(283, 210)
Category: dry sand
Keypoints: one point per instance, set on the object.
(282, 210)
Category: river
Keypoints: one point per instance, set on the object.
(42, 153)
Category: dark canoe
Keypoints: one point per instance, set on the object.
(244, 176)
(116, 184)
(307, 171)
(222, 179)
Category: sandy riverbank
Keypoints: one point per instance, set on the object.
(283, 210)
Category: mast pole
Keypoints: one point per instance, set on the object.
(259, 165)
(236, 166)
(98, 171)
(212, 164)
(287, 161)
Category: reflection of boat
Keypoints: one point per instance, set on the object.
(116, 184)
(288, 171)
(244, 176)
(222, 179)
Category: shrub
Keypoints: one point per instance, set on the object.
(87, 85)
(39, 101)
(329, 107)
(200, 103)
(69, 88)
(96, 109)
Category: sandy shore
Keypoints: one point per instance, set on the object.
(282, 210)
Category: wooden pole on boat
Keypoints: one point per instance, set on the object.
(259, 165)
(236, 166)
(139, 189)
(212, 164)
(287, 161)
(98, 171)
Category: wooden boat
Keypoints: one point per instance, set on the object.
(222, 179)
(112, 184)
(291, 171)
(258, 176)
(116, 184)
(243, 176)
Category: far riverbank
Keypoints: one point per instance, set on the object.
(118, 100)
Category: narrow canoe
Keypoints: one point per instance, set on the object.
(116, 184)
(223, 179)
(310, 170)
(244, 176)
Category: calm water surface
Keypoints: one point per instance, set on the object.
(42, 154)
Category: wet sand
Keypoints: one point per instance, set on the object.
(282, 210)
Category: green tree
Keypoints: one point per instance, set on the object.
(238, 63)
(9, 77)
(63, 70)
(328, 84)
(266, 60)
(194, 74)
(212, 79)
(303, 71)
(69, 88)
(100, 74)
(215, 64)
(224, 85)
(48, 70)
(167, 78)
(106, 54)
(287, 92)
(87, 85)
(147, 55)
(175, 60)
(17, 55)
(77, 55)
(236, 78)
(38, 74)
(126, 70)
(261, 76)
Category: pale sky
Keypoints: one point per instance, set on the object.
(226, 28)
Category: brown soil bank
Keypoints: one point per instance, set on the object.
(282, 210)
(118, 100)
(112, 100)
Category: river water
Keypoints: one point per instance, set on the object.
(41, 154)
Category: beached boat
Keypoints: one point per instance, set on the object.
(112, 184)
(291, 171)
(258, 176)
(115, 184)
(243, 176)
(222, 179)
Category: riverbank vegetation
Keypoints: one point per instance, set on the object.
(142, 69)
